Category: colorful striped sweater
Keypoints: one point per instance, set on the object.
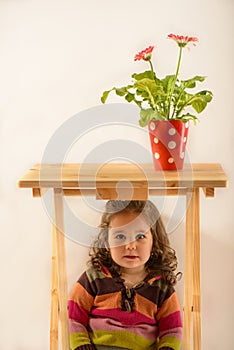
(98, 320)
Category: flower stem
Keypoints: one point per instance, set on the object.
(151, 65)
(178, 64)
(176, 76)
(152, 69)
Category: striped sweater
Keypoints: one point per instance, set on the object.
(98, 319)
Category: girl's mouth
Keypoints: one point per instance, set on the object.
(131, 257)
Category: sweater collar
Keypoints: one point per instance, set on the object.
(149, 279)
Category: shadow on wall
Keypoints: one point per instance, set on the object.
(217, 289)
(217, 285)
(177, 241)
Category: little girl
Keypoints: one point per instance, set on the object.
(125, 299)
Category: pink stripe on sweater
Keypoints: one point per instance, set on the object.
(175, 332)
(146, 331)
(124, 317)
(75, 327)
(170, 321)
(77, 312)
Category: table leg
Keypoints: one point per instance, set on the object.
(196, 274)
(61, 265)
(188, 273)
(54, 307)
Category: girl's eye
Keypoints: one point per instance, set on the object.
(140, 236)
(120, 237)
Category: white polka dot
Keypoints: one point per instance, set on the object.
(170, 160)
(171, 144)
(182, 155)
(187, 125)
(171, 131)
(152, 126)
(156, 155)
(155, 140)
(185, 139)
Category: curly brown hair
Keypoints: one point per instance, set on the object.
(163, 260)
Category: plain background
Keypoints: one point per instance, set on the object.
(56, 59)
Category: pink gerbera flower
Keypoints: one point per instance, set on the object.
(144, 54)
(181, 40)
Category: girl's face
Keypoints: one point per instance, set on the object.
(130, 240)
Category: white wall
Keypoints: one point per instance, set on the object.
(56, 59)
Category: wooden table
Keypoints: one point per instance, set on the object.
(125, 181)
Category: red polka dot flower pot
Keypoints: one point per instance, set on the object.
(168, 140)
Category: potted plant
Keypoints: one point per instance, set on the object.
(166, 105)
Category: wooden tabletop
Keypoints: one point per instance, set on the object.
(81, 176)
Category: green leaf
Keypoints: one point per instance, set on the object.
(129, 97)
(121, 91)
(188, 116)
(191, 83)
(147, 89)
(199, 105)
(105, 95)
(167, 83)
(148, 74)
(146, 85)
(200, 100)
(148, 114)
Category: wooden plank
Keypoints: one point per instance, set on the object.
(79, 192)
(209, 191)
(54, 307)
(152, 192)
(196, 274)
(36, 192)
(122, 193)
(209, 175)
(39, 192)
(168, 191)
(62, 272)
(188, 274)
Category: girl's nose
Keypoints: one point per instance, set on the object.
(131, 245)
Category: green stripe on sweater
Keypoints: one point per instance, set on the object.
(170, 342)
(78, 339)
(122, 339)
